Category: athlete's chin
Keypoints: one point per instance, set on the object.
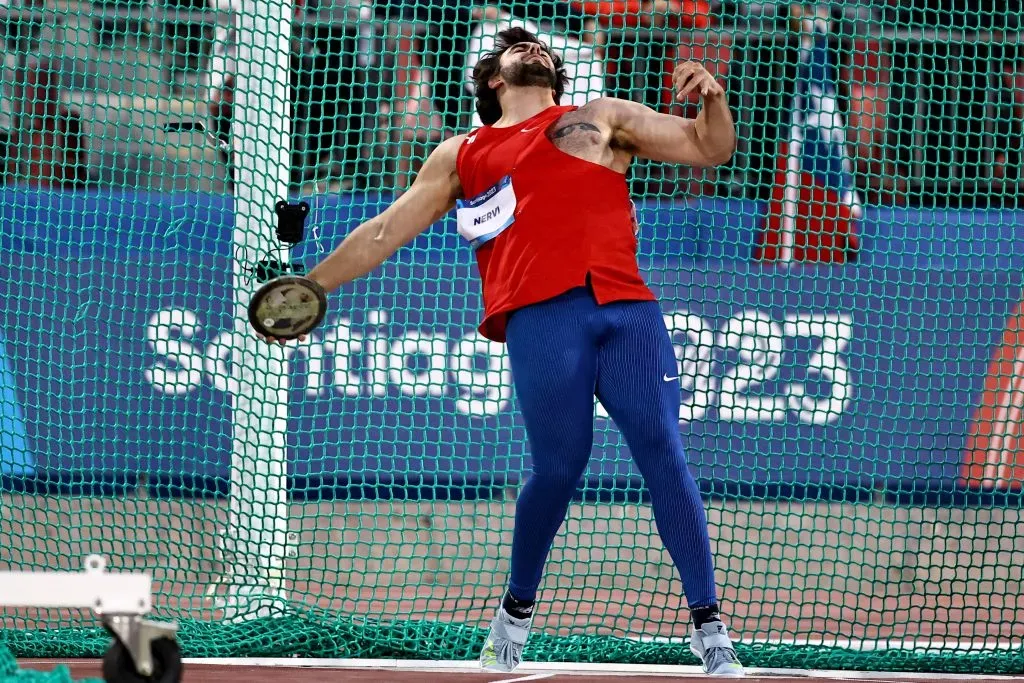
(535, 83)
(546, 85)
(533, 74)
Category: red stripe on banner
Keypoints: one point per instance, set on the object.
(992, 458)
(769, 241)
(824, 225)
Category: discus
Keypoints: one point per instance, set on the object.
(287, 307)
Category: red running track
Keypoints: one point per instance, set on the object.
(207, 673)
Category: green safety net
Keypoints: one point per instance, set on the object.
(843, 295)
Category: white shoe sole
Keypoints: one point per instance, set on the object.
(730, 674)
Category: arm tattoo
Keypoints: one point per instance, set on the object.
(572, 128)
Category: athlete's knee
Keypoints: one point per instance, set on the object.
(659, 441)
(559, 471)
(560, 452)
(660, 456)
(559, 478)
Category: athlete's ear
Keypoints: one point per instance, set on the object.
(495, 82)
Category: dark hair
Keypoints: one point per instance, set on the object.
(486, 97)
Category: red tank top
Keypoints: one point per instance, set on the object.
(574, 221)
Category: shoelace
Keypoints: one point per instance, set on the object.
(726, 653)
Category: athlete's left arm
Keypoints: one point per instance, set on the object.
(708, 140)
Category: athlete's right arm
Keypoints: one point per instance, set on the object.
(430, 197)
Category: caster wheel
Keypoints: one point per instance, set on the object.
(119, 667)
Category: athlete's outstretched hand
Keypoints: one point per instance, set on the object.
(275, 340)
(692, 76)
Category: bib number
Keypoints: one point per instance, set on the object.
(487, 215)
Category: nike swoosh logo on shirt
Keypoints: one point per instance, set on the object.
(527, 130)
(669, 379)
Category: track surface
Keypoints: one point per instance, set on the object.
(196, 673)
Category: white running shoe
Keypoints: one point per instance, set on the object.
(711, 643)
(503, 649)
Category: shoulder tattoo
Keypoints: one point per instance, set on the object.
(571, 128)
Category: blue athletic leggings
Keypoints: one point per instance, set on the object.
(564, 351)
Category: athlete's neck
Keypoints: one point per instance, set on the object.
(520, 104)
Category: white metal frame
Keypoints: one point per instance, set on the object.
(254, 544)
(93, 588)
(120, 599)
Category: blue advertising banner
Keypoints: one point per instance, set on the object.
(802, 380)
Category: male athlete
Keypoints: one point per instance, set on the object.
(541, 196)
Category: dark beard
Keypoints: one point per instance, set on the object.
(527, 74)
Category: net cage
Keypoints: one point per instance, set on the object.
(844, 297)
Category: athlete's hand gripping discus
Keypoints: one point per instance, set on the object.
(287, 307)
